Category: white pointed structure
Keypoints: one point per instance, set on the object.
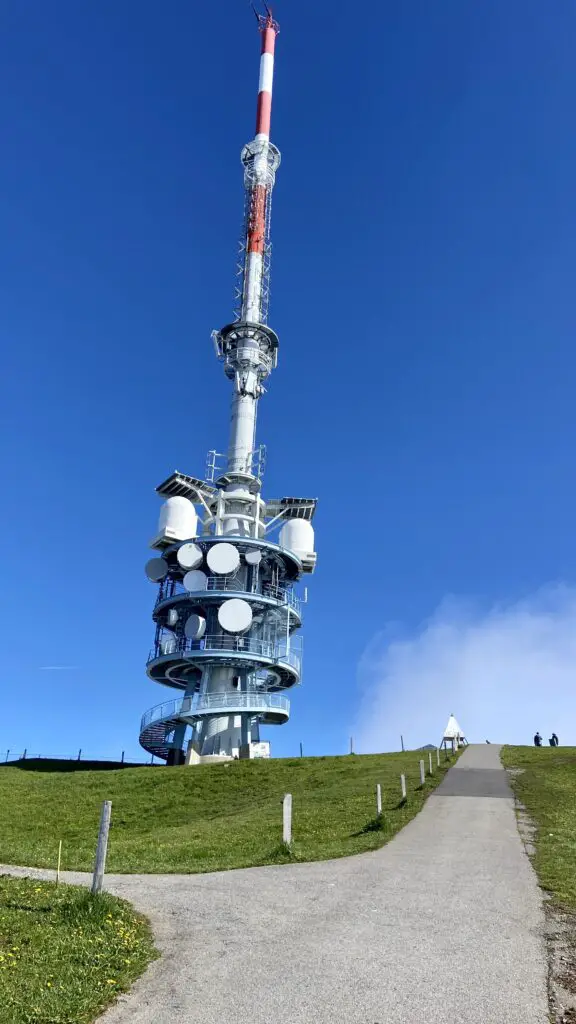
(453, 735)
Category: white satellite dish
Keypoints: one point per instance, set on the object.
(223, 559)
(189, 556)
(172, 617)
(156, 569)
(195, 580)
(235, 616)
(253, 557)
(195, 627)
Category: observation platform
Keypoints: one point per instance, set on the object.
(171, 660)
(221, 588)
(159, 721)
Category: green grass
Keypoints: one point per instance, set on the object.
(206, 818)
(64, 954)
(547, 788)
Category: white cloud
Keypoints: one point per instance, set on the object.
(504, 672)
(56, 668)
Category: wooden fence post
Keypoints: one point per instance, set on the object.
(422, 773)
(438, 756)
(59, 861)
(287, 819)
(101, 848)
(430, 760)
(403, 786)
(378, 799)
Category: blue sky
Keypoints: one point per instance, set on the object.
(423, 225)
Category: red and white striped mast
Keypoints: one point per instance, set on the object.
(263, 160)
(249, 346)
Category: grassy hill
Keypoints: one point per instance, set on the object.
(64, 954)
(206, 818)
(544, 781)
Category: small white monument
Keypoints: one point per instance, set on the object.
(453, 736)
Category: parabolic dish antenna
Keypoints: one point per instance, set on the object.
(195, 580)
(195, 627)
(253, 557)
(189, 556)
(223, 559)
(172, 617)
(156, 569)
(235, 616)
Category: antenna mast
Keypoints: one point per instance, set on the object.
(228, 615)
(249, 347)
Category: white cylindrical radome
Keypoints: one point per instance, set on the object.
(297, 535)
(178, 519)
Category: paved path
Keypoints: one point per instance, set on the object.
(443, 924)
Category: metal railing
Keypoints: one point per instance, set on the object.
(232, 644)
(200, 704)
(290, 658)
(285, 595)
(266, 649)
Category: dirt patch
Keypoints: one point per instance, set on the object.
(526, 828)
(561, 946)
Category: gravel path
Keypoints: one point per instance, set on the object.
(444, 923)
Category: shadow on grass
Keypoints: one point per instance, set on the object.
(283, 854)
(46, 764)
(26, 908)
(377, 824)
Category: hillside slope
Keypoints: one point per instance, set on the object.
(544, 780)
(206, 818)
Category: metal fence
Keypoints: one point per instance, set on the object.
(17, 754)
